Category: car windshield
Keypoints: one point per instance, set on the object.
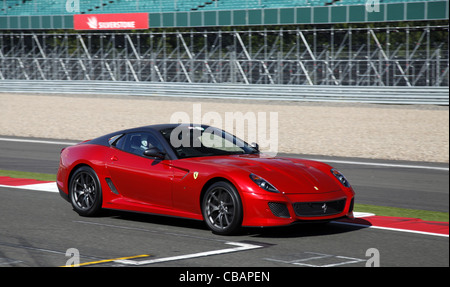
(200, 141)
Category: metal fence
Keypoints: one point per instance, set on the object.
(381, 95)
(351, 56)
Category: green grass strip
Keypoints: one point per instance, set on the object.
(378, 210)
(403, 212)
(29, 175)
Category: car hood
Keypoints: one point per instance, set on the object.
(288, 175)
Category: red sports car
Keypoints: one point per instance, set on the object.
(199, 172)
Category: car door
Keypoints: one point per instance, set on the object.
(137, 177)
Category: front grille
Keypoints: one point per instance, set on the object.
(279, 209)
(319, 208)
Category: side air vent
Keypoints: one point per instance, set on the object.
(111, 186)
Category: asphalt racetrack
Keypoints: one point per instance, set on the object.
(41, 229)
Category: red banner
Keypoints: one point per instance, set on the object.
(126, 21)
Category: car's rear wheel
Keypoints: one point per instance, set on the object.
(85, 192)
(222, 208)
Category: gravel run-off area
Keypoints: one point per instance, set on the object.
(394, 132)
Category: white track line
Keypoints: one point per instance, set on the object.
(240, 247)
(323, 160)
(37, 141)
(48, 187)
(391, 229)
(51, 187)
(382, 164)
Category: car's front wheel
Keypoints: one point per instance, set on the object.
(222, 208)
(85, 192)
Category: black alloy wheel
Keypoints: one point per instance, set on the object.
(85, 192)
(222, 208)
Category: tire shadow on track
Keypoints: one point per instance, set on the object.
(290, 231)
(302, 230)
(153, 219)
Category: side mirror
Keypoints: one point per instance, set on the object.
(154, 152)
(255, 146)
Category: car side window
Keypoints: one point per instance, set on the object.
(137, 143)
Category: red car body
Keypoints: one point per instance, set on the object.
(305, 190)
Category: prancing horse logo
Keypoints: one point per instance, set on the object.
(324, 208)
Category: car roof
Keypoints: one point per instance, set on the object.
(103, 140)
(159, 127)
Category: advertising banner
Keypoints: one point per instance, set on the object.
(125, 21)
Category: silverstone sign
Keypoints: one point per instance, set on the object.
(125, 21)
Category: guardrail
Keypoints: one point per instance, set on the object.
(355, 94)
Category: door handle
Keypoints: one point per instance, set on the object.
(114, 158)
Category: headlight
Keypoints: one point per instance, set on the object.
(340, 177)
(264, 184)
